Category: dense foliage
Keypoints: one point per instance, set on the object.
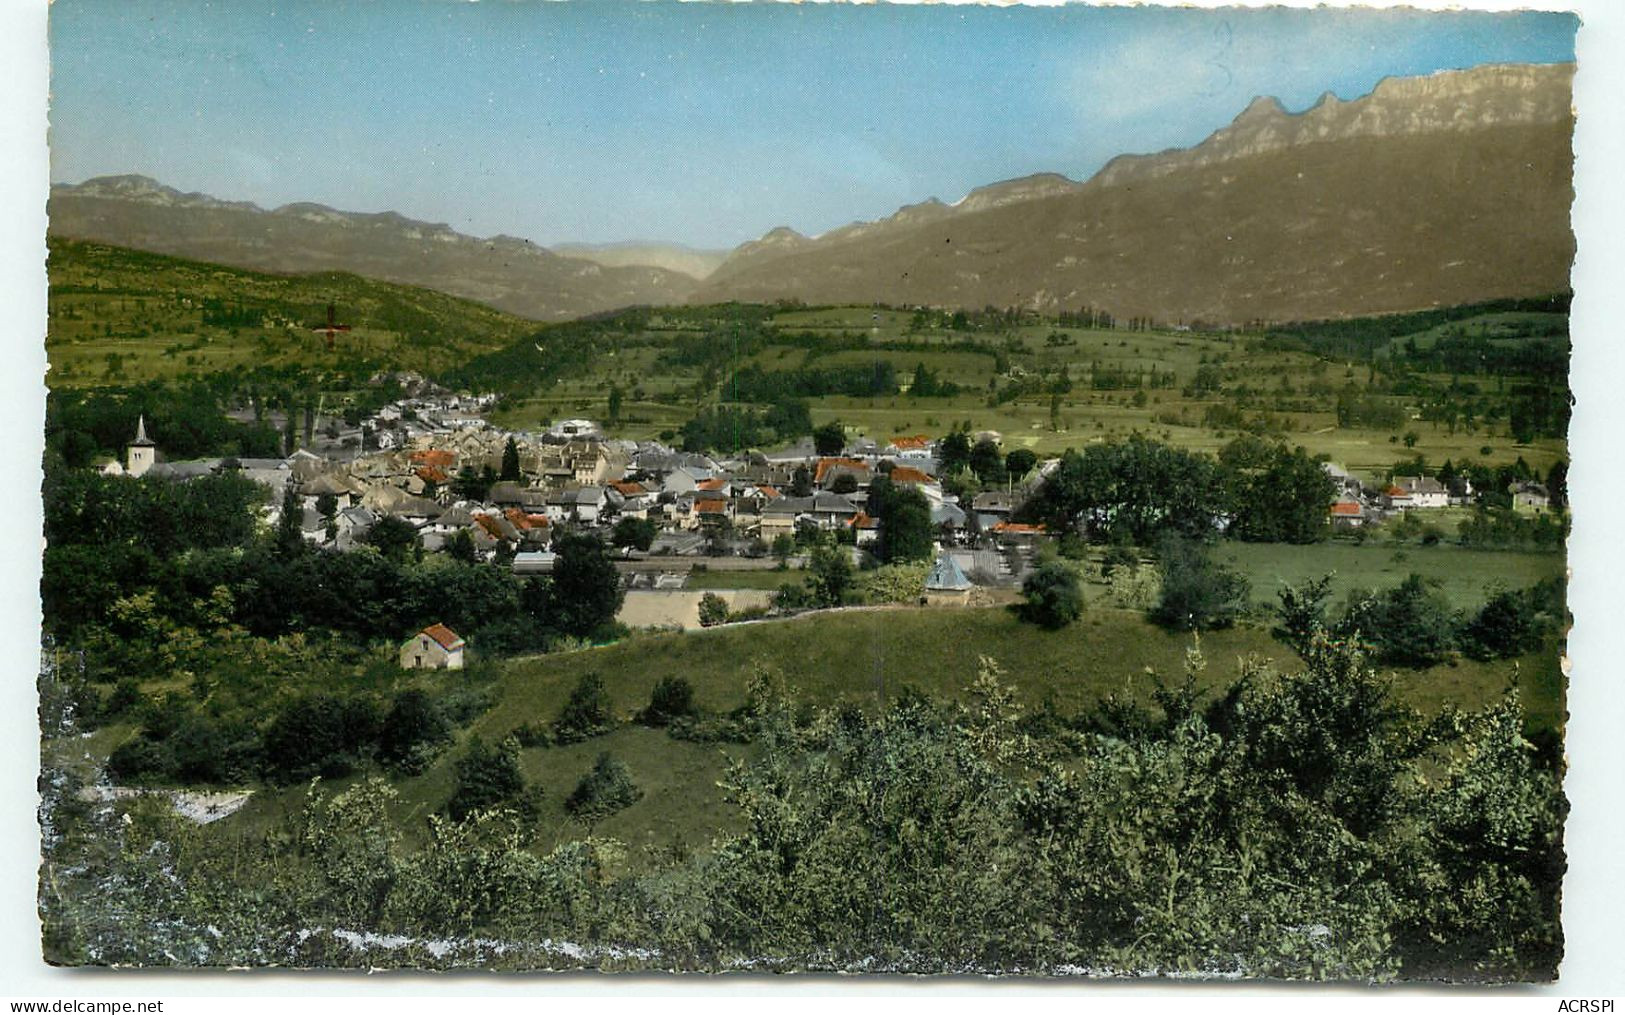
(1274, 828)
(1054, 595)
(1139, 489)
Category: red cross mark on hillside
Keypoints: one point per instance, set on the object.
(332, 327)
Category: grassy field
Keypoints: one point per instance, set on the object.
(1298, 390)
(1462, 574)
(119, 316)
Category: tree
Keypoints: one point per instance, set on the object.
(1506, 625)
(1303, 611)
(784, 545)
(460, 547)
(289, 527)
(487, 777)
(1198, 593)
(471, 485)
(801, 482)
(1278, 495)
(510, 462)
(1020, 462)
(393, 537)
(1557, 485)
(713, 610)
(905, 526)
(830, 439)
(586, 713)
(633, 532)
(413, 726)
(1054, 595)
(615, 397)
(953, 452)
(1411, 624)
(986, 461)
(844, 484)
(586, 589)
(831, 576)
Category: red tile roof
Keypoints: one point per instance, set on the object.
(770, 492)
(711, 506)
(907, 474)
(1346, 507)
(522, 521)
(436, 457)
(444, 636)
(915, 443)
(627, 488)
(489, 524)
(430, 474)
(863, 521)
(1017, 528)
(712, 485)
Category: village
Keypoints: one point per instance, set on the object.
(436, 469)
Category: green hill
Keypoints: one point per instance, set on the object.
(123, 317)
(866, 657)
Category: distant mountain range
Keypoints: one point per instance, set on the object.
(504, 272)
(1437, 190)
(1440, 190)
(696, 264)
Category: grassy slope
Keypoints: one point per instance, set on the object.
(864, 656)
(148, 309)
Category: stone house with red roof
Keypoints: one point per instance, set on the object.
(436, 647)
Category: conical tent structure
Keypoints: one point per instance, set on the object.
(946, 576)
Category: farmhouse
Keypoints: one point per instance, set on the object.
(1347, 514)
(436, 647)
(1416, 492)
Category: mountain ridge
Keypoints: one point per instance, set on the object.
(505, 272)
(1087, 242)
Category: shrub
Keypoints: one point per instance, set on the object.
(1198, 593)
(791, 596)
(529, 734)
(713, 610)
(1408, 625)
(414, 727)
(603, 791)
(1054, 596)
(320, 734)
(586, 714)
(1136, 589)
(487, 777)
(1506, 625)
(1303, 610)
(672, 698)
(139, 758)
(125, 699)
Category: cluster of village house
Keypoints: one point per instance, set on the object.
(1359, 504)
(576, 476)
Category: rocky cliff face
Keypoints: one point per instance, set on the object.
(1442, 189)
(505, 272)
(1483, 98)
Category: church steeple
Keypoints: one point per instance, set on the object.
(142, 453)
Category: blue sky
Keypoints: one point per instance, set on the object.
(700, 123)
